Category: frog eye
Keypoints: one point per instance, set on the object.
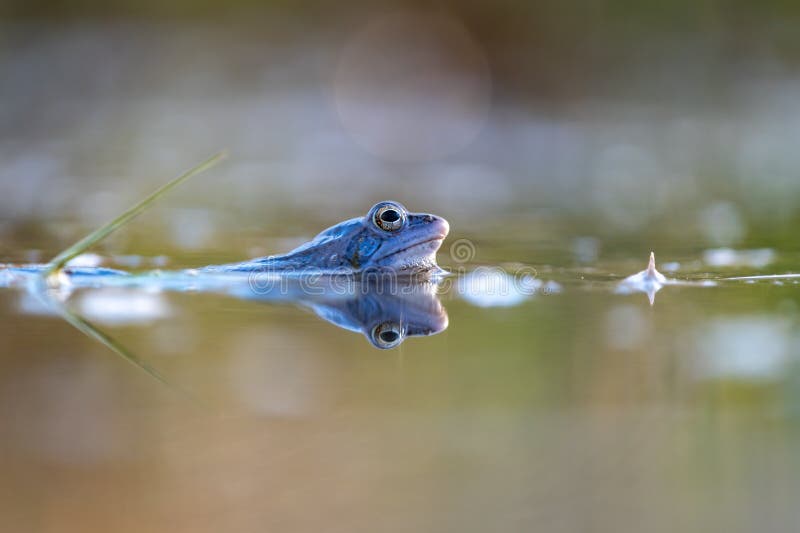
(389, 217)
(386, 335)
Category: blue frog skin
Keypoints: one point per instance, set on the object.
(387, 238)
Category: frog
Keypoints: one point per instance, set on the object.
(388, 239)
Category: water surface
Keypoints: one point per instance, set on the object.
(569, 409)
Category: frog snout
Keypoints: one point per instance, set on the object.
(439, 225)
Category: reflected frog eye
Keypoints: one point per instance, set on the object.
(386, 335)
(389, 217)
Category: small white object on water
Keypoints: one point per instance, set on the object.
(648, 281)
(89, 260)
(492, 287)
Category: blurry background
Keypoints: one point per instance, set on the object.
(571, 136)
(674, 125)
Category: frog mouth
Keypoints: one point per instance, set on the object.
(433, 249)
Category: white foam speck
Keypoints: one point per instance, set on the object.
(492, 287)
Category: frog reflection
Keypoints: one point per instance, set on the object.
(386, 312)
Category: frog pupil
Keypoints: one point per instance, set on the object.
(389, 336)
(390, 215)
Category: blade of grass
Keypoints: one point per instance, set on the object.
(101, 233)
(41, 291)
(91, 331)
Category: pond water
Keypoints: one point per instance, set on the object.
(554, 400)
(568, 406)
